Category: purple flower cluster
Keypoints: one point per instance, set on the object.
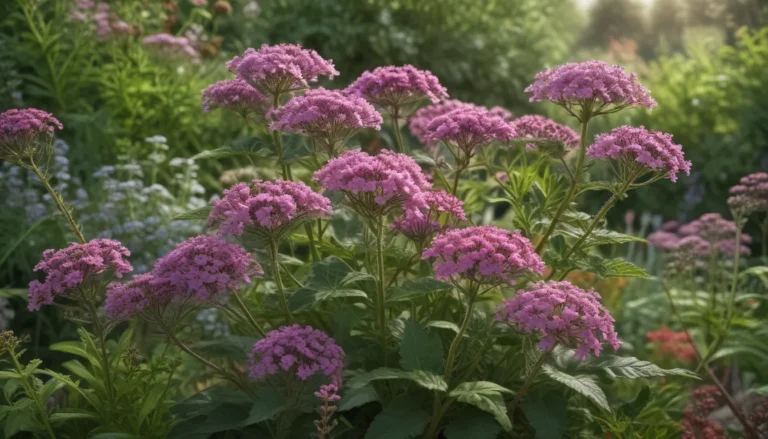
(300, 351)
(469, 128)
(608, 86)
(698, 238)
(421, 225)
(235, 95)
(420, 120)
(278, 69)
(21, 131)
(374, 185)
(328, 116)
(127, 300)
(561, 312)
(484, 254)
(204, 267)
(540, 127)
(394, 86)
(653, 150)
(663, 239)
(168, 44)
(67, 269)
(750, 195)
(269, 207)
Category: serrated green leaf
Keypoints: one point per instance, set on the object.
(633, 368)
(479, 388)
(402, 419)
(547, 413)
(425, 379)
(491, 403)
(420, 350)
(622, 268)
(472, 423)
(582, 384)
(414, 289)
(326, 280)
(201, 213)
(267, 404)
(352, 398)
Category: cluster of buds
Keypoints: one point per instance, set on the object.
(326, 423)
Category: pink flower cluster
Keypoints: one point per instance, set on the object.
(300, 351)
(278, 69)
(67, 269)
(696, 423)
(105, 20)
(126, 300)
(375, 184)
(421, 225)
(590, 81)
(561, 312)
(330, 117)
(750, 195)
(267, 206)
(420, 120)
(540, 127)
(22, 130)
(394, 86)
(469, 128)
(204, 267)
(328, 393)
(698, 238)
(674, 344)
(654, 150)
(483, 254)
(235, 95)
(168, 44)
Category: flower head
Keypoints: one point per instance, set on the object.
(750, 195)
(561, 312)
(594, 86)
(168, 44)
(717, 231)
(374, 185)
(299, 351)
(205, 267)
(663, 240)
(394, 86)
(420, 120)
(652, 151)
(469, 129)
(674, 344)
(421, 225)
(540, 127)
(328, 116)
(25, 133)
(281, 68)
(484, 254)
(235, 95)
(125, 300)
(68, 269)
(273, 208)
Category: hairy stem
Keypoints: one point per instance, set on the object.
(273, 257)
(59, 202)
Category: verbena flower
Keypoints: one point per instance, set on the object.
(392, 87)
(205, 268)
(674, 344)
(375, 185)
(329, 117)
(593, 86)
(271, 208)
(484, 254)
(442, 211)
(298, 351)
(168, 44)
(26, 133)
(278, 69)
(750, 195)
(639, 150)
(542, 128)
(235, 95)
(467, 129)
(69, 269)
(419, 122)
(561, 313)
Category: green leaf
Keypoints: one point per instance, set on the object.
(65, 415)
(424, 379)
(404, 418)
(10, 387)
(582, 384)
(49, 388)
(442, 324)
(356, 397)
(74, 348)
(7, 374)
(201, 213)
(622, 268)
(633, 368)
(254, 147)
(472, 423)
(327, 279)
(8, 293)
(267, 404)
(234, 347)
(151, 401)
(492, 403)
(547, 413)
(295, 148)
(478, 388)
(413, 289)
(633, 408)
(420, 350)
(114, 435)
(21, 418)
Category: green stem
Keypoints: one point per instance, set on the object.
(380, 288)
(273, 256)
(312, 247)
(249, 316)
(454, 349)
(396, 125)
(32, 393)
(528, 382)
(59, 202)
(571, 189)
(279, 141)
(99, 330)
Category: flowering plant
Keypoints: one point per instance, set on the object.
(349, 327)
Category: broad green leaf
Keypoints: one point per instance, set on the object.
(547, 413)
(21, 418)
(327, 279)
(597, 236)
(479, 388)
(633, 368)
(472, 423)
(442, 324)
(65, 415)
(74, 348)
(633, 408)
(352, 398)
(267, 404)
(492, 403)
(404, 418)
(151, 401)
(420, 350)
(201, 213)
(582, 384)
(10, 387)
(295, 148)
(49, 388)
(622, 268)
(424, 379)
(413, 289)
